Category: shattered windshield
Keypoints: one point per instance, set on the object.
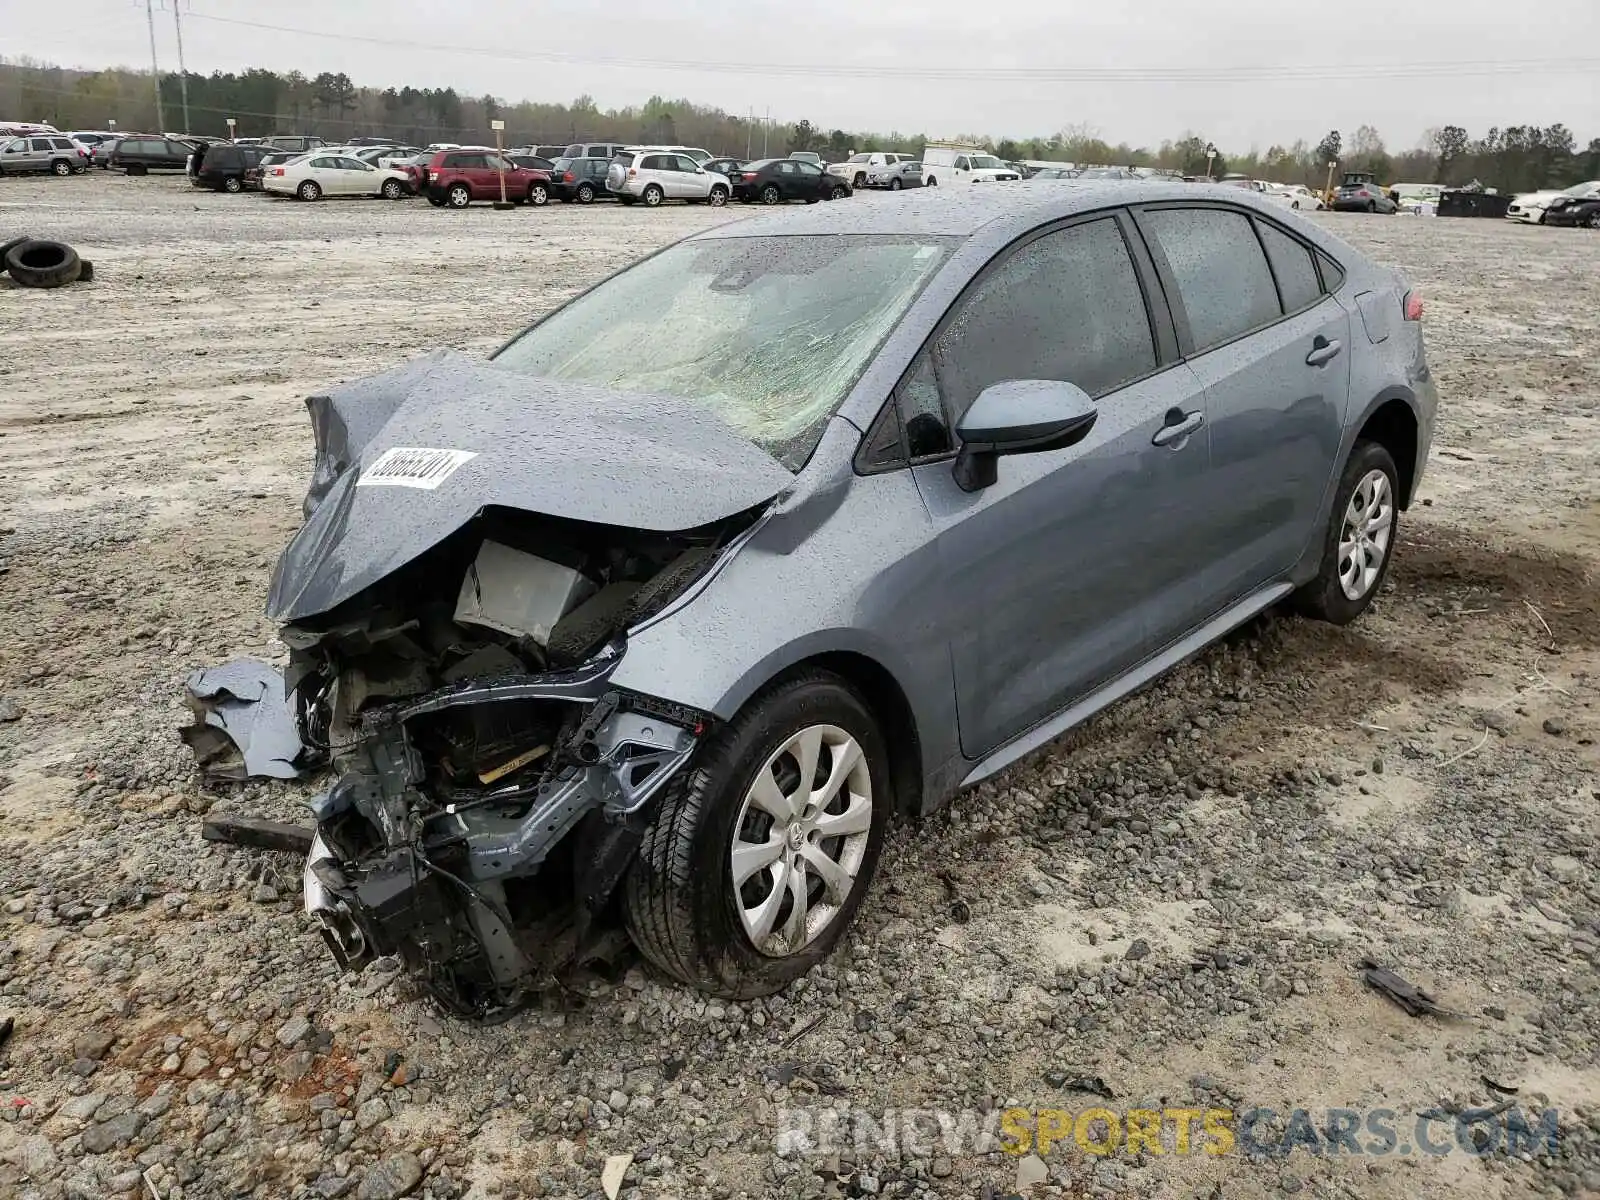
(768, 333)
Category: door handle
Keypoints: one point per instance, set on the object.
(1323, 352)
(1178, 430)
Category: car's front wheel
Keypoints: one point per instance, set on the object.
(1359, 540)
(894, 185)
(764, 846)
(393, 189)
(538, 195)
(718, 197)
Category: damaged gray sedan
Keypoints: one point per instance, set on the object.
(660, 617)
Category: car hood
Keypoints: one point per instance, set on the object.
(462, 435)
(1537, 197)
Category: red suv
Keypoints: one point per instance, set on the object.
(458, 177)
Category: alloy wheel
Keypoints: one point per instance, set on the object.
(460, 196)
(800, 839)
(718, 197)
(1365, 538)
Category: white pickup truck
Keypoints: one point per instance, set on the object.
(963, 164)
(857, 167)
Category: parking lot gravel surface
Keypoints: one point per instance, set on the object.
(1171, 902)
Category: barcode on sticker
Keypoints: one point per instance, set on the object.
(414, 467)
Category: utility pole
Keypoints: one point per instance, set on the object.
(766, 131)
(155, 70)
(749, 134)
(183, 71)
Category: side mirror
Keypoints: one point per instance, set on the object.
(1019, 416)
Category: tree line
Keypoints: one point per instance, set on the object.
(1513, 158)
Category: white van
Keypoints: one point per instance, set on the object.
(962, 164)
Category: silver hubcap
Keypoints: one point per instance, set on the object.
(1364, 540)
(800, 839)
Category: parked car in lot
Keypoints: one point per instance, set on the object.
(652, 177)
(141, 153)
(776, 180)
(226, 167)
(100, 152)
(55, 153)
(1105, 425)
(532, 162)
(858, 167)
(694, 153)
(726, 167)
(605, 150)
(90, 138)
(1578, 205)
(1361, 193)
(1296, 196)
(907, 173)
(579, 180)
(810, 156)
(1052, 173)
(457, 178)
(949, 165)
(327, 173)
(298, 142)
(1533, 207)
(1127, 174)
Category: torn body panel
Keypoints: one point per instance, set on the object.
(243, 725)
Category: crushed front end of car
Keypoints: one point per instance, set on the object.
(476, 546)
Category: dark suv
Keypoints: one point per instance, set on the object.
(226, 167)
(458, 177)
(580, 179)
(139, 154)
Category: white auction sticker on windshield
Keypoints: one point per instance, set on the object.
(414, 467)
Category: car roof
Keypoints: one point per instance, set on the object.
(964, 212)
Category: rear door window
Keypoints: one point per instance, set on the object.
(1224, 284)
(41, 144)
(1292, 266)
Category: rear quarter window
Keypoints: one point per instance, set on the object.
(1293, 266)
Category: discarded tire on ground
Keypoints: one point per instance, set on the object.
(43, 264)
(7, 247)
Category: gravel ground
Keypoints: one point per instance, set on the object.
(1173, 899)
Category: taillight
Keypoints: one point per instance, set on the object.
(568, 177)
(433, 177)
(749, 176)
(1413, 306)
(632, 172)
(277, 170)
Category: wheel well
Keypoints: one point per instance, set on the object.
(1394, 427)
(889, 704)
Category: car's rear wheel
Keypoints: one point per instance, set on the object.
(585, 194)
(61, 167)
(653, 196)
(770, 194)
(393, 189)
(233, 183)
(435, 201)
(1372, 206)
(1360, 538)
(718, 197)
(459, 196)
(538, 195)
(1594, 220)
(932, 181)
(764, 846)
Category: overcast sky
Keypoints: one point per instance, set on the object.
(1422, 59)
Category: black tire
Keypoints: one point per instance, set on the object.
(309, 190)
(392, 189)
(679, 901)
(80, 168)
(1594, 220)
(894, 184)
(1372, 206)
(538, 195)
(435, 201)
(585, 193)
(1324, 597)
(459, 196)
(85, 271)
(233, 185)
(771, 195)
(840, 193)
(61, 168)
(932, 182)
(43, 264)
(652, 196)
(7, 247)
(137, 169)
(860, 181)
(718, 197)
